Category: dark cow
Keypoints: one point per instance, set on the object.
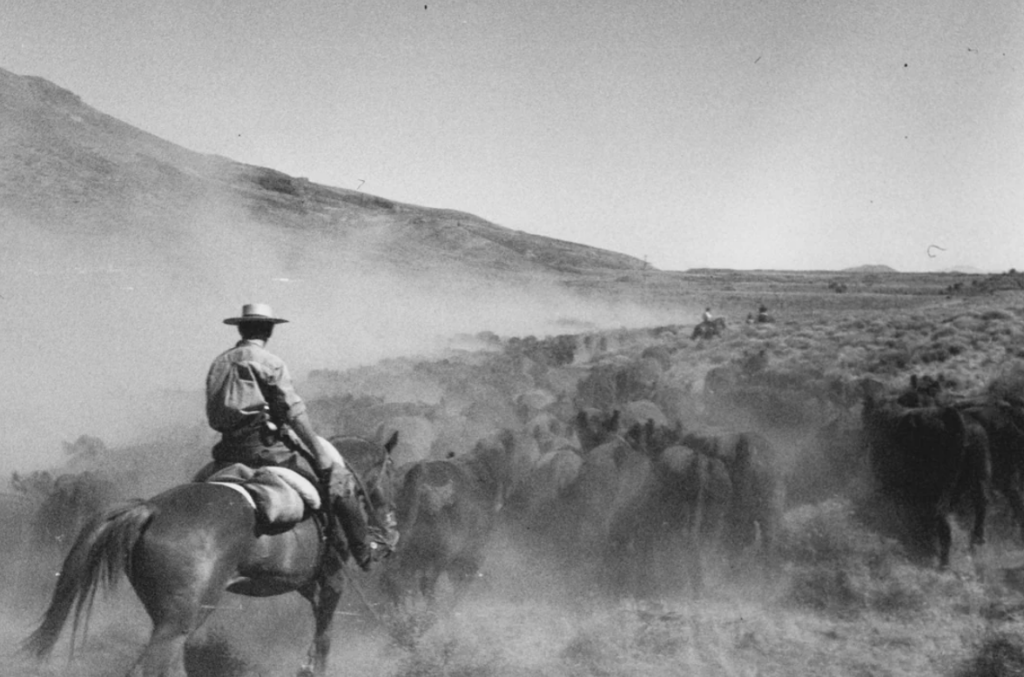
(595, 427)
(1002, 423)
(535, 499)
(758, 489)
(537, 515)
(926, 391)
(684, 496)
(605, 480)
(447, 511)
(920, 461)
(976, 480)
(709, 329)
(608, 386)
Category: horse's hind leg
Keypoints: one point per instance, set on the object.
(164, 656)
(175, 617)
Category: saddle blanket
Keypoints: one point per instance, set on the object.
(281, 496)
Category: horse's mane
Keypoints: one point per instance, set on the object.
(360, 453)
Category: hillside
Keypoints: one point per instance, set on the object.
(69, 168)
(120, 252)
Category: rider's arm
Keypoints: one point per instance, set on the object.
(285, 404)
(287, 407)
(301, 426)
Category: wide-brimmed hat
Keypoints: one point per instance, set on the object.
(255, 312)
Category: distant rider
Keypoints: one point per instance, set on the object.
(250, 400)
(706, 317)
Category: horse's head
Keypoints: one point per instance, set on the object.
(373, 467)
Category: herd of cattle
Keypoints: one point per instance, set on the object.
(602, 459)
(629, 471)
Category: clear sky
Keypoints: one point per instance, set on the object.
(757, 134)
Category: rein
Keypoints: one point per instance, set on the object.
(361, 486)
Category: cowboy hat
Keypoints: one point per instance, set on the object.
(255, 312)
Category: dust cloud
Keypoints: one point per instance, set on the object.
(108, 332)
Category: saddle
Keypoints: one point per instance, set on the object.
(281, 497)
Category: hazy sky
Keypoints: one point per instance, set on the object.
(774, 134)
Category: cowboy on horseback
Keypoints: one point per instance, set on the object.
(251, 401)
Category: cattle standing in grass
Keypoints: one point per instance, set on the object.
(919, 459)
(594, 427)
(536, 513)
(1003, 425)
(926, 391)
(608, 386)
(604, 481)
(683, 501)
(447, 511)
(976, 479)
(758, 489)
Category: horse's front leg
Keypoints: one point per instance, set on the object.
(324, 601)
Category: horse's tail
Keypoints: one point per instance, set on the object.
(101, 554)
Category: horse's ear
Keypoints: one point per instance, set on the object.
(613, 422)
(634, 433)
(392, 441)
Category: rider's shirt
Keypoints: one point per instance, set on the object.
(243, 385)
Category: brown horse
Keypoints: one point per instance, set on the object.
(184, 547)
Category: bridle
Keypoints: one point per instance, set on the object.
(386, 473)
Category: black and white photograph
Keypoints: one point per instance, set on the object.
(469, 338)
